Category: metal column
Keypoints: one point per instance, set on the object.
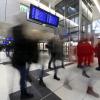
(80, 19)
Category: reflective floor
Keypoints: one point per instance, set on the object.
(56, 90)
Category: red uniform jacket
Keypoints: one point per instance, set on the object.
(85, 53)
(80, 53)
(88, 51)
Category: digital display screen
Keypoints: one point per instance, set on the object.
(33, 12)
(37, 14)
(52, 20)
(43, 16)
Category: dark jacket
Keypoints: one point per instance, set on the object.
(55, 48)
(25, 50)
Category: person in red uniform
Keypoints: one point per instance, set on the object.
(79, 52)
(97, 52)
(84, 53)
(87, 56)
(88, 51)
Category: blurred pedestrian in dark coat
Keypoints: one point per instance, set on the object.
(97, 52)
(25, 51)
(55, 48)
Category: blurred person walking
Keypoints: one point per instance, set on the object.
(55, 48)
(85, 53)
(97, 52)
(79, 53)
(88, 53)
(25, 52)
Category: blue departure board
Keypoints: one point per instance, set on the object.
(43, 16)
(52, 20)
(40, 15)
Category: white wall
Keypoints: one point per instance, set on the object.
(9, 8)
(2, 10)
(13, 7)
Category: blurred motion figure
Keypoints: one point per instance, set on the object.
(85, 55)
(25, 52)
(55, 48)
(97, 52)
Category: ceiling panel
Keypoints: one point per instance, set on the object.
(51, 2)
(96, 13)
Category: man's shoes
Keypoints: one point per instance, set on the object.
(91, 92)
(98, 68)
(41, 83)
(26, 96)
(56, 78)
(85, 74)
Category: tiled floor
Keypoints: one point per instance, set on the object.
(56, 90)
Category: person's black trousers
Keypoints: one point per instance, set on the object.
(23, 78)
(41, 73)
(52, 59)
